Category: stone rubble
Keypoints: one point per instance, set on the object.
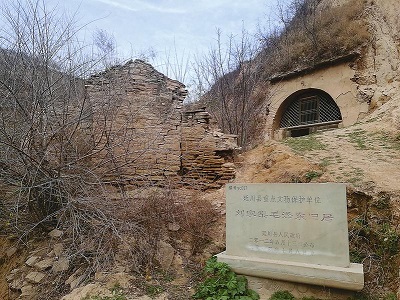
(35, 277)
(11, 251)
(154, 140)
(38, 268)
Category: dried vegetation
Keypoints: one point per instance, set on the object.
(312, 34)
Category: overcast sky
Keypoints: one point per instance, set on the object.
(166, 28)
(163, 25)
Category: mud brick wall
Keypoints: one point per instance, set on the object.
(142, 134)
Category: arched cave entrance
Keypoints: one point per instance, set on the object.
(307, 111)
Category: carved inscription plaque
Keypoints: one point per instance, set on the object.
(304, 223)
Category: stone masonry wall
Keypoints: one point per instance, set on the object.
(206, 153)
(140, 134)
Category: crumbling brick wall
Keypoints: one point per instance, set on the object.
(142, 134)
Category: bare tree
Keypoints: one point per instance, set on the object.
(46, 140)
(106, 48)
(43, 111)
(48, 176)
(226, 78)
(173, 63)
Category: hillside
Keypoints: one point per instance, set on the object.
(151, 242)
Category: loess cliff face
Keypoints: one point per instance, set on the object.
(378, 71)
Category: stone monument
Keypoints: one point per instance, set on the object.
(291, 232)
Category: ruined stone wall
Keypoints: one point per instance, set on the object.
(136, 113)
(206, 153)
(142, 134)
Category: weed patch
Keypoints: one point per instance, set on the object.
(153, 290)
(306, 143)
(282, 295)
(221, 283)
(325, 162)
(386, 140)
(359, 138)
(310, 175)
(374, 242)
(117, 294)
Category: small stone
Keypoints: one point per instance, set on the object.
(119, 269)
(173, 227)
(58, 249)
(100, 276)
(75, 275)
(92, 289)
(55, 233)
(76, 282)
(11, 251)
(16, 284)
(60, 265)
(27, 292)
(10, 277)
(32, 260)
(165, 254)
(35, 277)
(44, 264)
(121, 279)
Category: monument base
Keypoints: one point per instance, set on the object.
(267, 287)
(351, 278)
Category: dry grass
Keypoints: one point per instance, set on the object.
(315, 36)
(101, 233)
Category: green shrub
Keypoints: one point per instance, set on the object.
(389, 240)
(390, 296)
(221, 283)
(282, 295)
(310, 175)
(358, 296)
(153, 290)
